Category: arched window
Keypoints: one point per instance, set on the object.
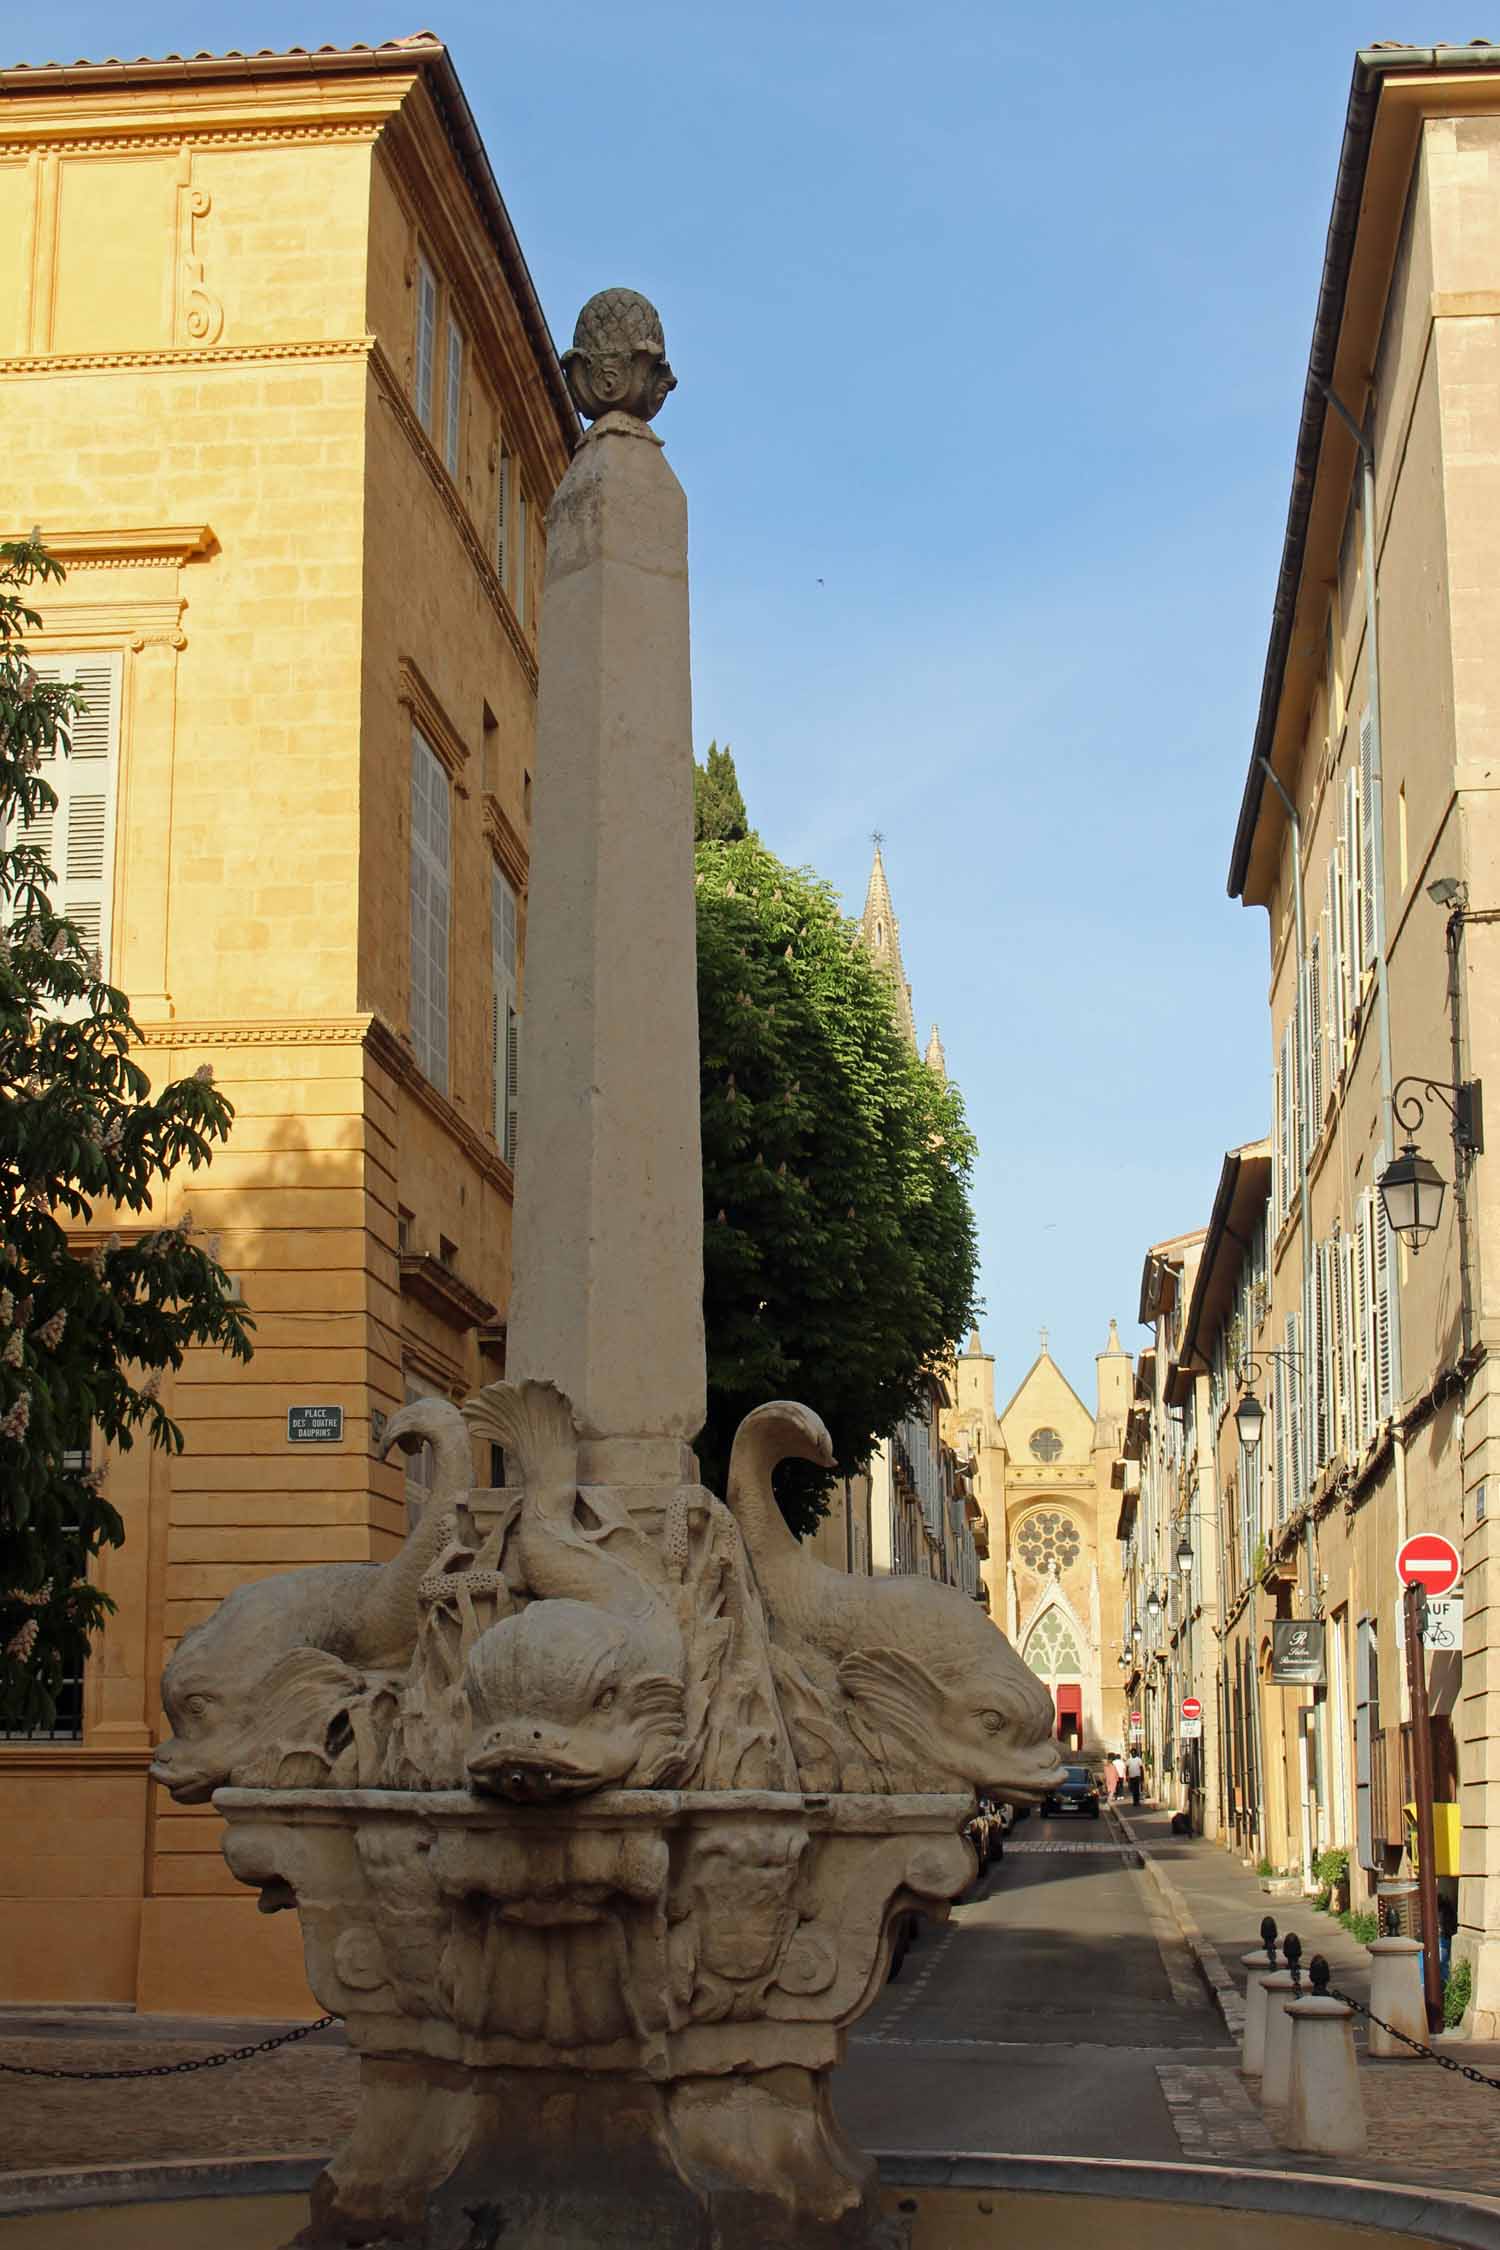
(1052, 1648)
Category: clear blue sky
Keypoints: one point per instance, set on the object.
(990, 339)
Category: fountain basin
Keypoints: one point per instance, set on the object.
(945, 2202)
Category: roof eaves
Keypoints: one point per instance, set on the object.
(1371, 66)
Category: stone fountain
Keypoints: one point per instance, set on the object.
(598, 1801)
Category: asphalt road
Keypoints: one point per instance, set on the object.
(1034, 2021)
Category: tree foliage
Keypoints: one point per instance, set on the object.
(839, 1245)
(85, 1331)
(719, 815)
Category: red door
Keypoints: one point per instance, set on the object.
(1069, 1715)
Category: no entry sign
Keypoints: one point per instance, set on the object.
(1192, 1708)
(1428, 1559)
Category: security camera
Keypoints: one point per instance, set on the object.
(1445, 890)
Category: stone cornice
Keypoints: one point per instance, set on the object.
(347, 1031)
(415, 693)
(196, 356)
(21, 1758)
(141, 545)
(442, 1291)
(126, 621)
(506, 844)
(393, 391)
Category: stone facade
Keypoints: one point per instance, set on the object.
(291, 417)
(1373, 1363)
(1042, 1471)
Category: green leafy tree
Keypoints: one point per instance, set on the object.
(85, 1332)
(839, 1244)
(719, 815)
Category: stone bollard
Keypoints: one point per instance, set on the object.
(1276, 2068)
(1258, 1965)
(1324, 2113)
(1396, 1993)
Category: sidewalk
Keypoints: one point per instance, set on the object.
(1219, 1906)
(1427, 2126)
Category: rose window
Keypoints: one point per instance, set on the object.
(1048, 1540)
(1046, 1445)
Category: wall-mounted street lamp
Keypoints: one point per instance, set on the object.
(1153, 1609)
(1185, 1556)
(1250, 1414)
(1411, 1188)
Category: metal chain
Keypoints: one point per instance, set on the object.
(1428, 2054)
(177, 2069)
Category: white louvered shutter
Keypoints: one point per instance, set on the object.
(1297, 1378)
(523, 568)
(1317, 1363)
(1283, 1441)
(1384, 1281)
(431, 888)
(1353, 893)
(453, 398)
(505, 1021)
(1315, 971)
(1286, 1118)
(78, 839)
(1369, 843)
(1343, 1249)
(1333, 959)
(425, 367)
(1360, 1264)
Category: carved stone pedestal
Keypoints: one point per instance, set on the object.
(610, 2021)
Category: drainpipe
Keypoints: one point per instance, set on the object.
(1304, 1092)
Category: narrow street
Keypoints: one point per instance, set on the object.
(1043, 2016)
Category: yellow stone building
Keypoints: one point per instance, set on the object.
(288, 410)
(1044, 1471)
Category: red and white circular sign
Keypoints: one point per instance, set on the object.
(1429, 1560)
(1192, 1708)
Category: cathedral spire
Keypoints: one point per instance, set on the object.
(935, 1058)
(881, 932)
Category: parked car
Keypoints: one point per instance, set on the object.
(1077, 1792)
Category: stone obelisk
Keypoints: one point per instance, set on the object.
(607, 1286)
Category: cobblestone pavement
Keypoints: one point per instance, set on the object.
(299, 2099)
(1215, 2118)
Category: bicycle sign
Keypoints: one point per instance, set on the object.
(1445, 1623)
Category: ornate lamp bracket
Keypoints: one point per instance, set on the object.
(1464, 1104)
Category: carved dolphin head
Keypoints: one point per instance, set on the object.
(564, 1698)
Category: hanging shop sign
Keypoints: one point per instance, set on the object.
(1297, 1652)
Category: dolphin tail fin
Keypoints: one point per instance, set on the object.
(534, 1424)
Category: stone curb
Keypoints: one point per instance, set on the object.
(1428, 2213)
(171, 2181)
(1223, 1990)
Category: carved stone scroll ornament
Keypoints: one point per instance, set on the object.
(618, 361)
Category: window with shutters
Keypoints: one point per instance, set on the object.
(431, 892)
(77, 838)
(505, 1023)
(1366, 1728)
(453, 398)
(1312, 1123)
(424, 358)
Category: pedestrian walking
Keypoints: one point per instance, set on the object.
(1111, 1778)
(1135, 1774)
